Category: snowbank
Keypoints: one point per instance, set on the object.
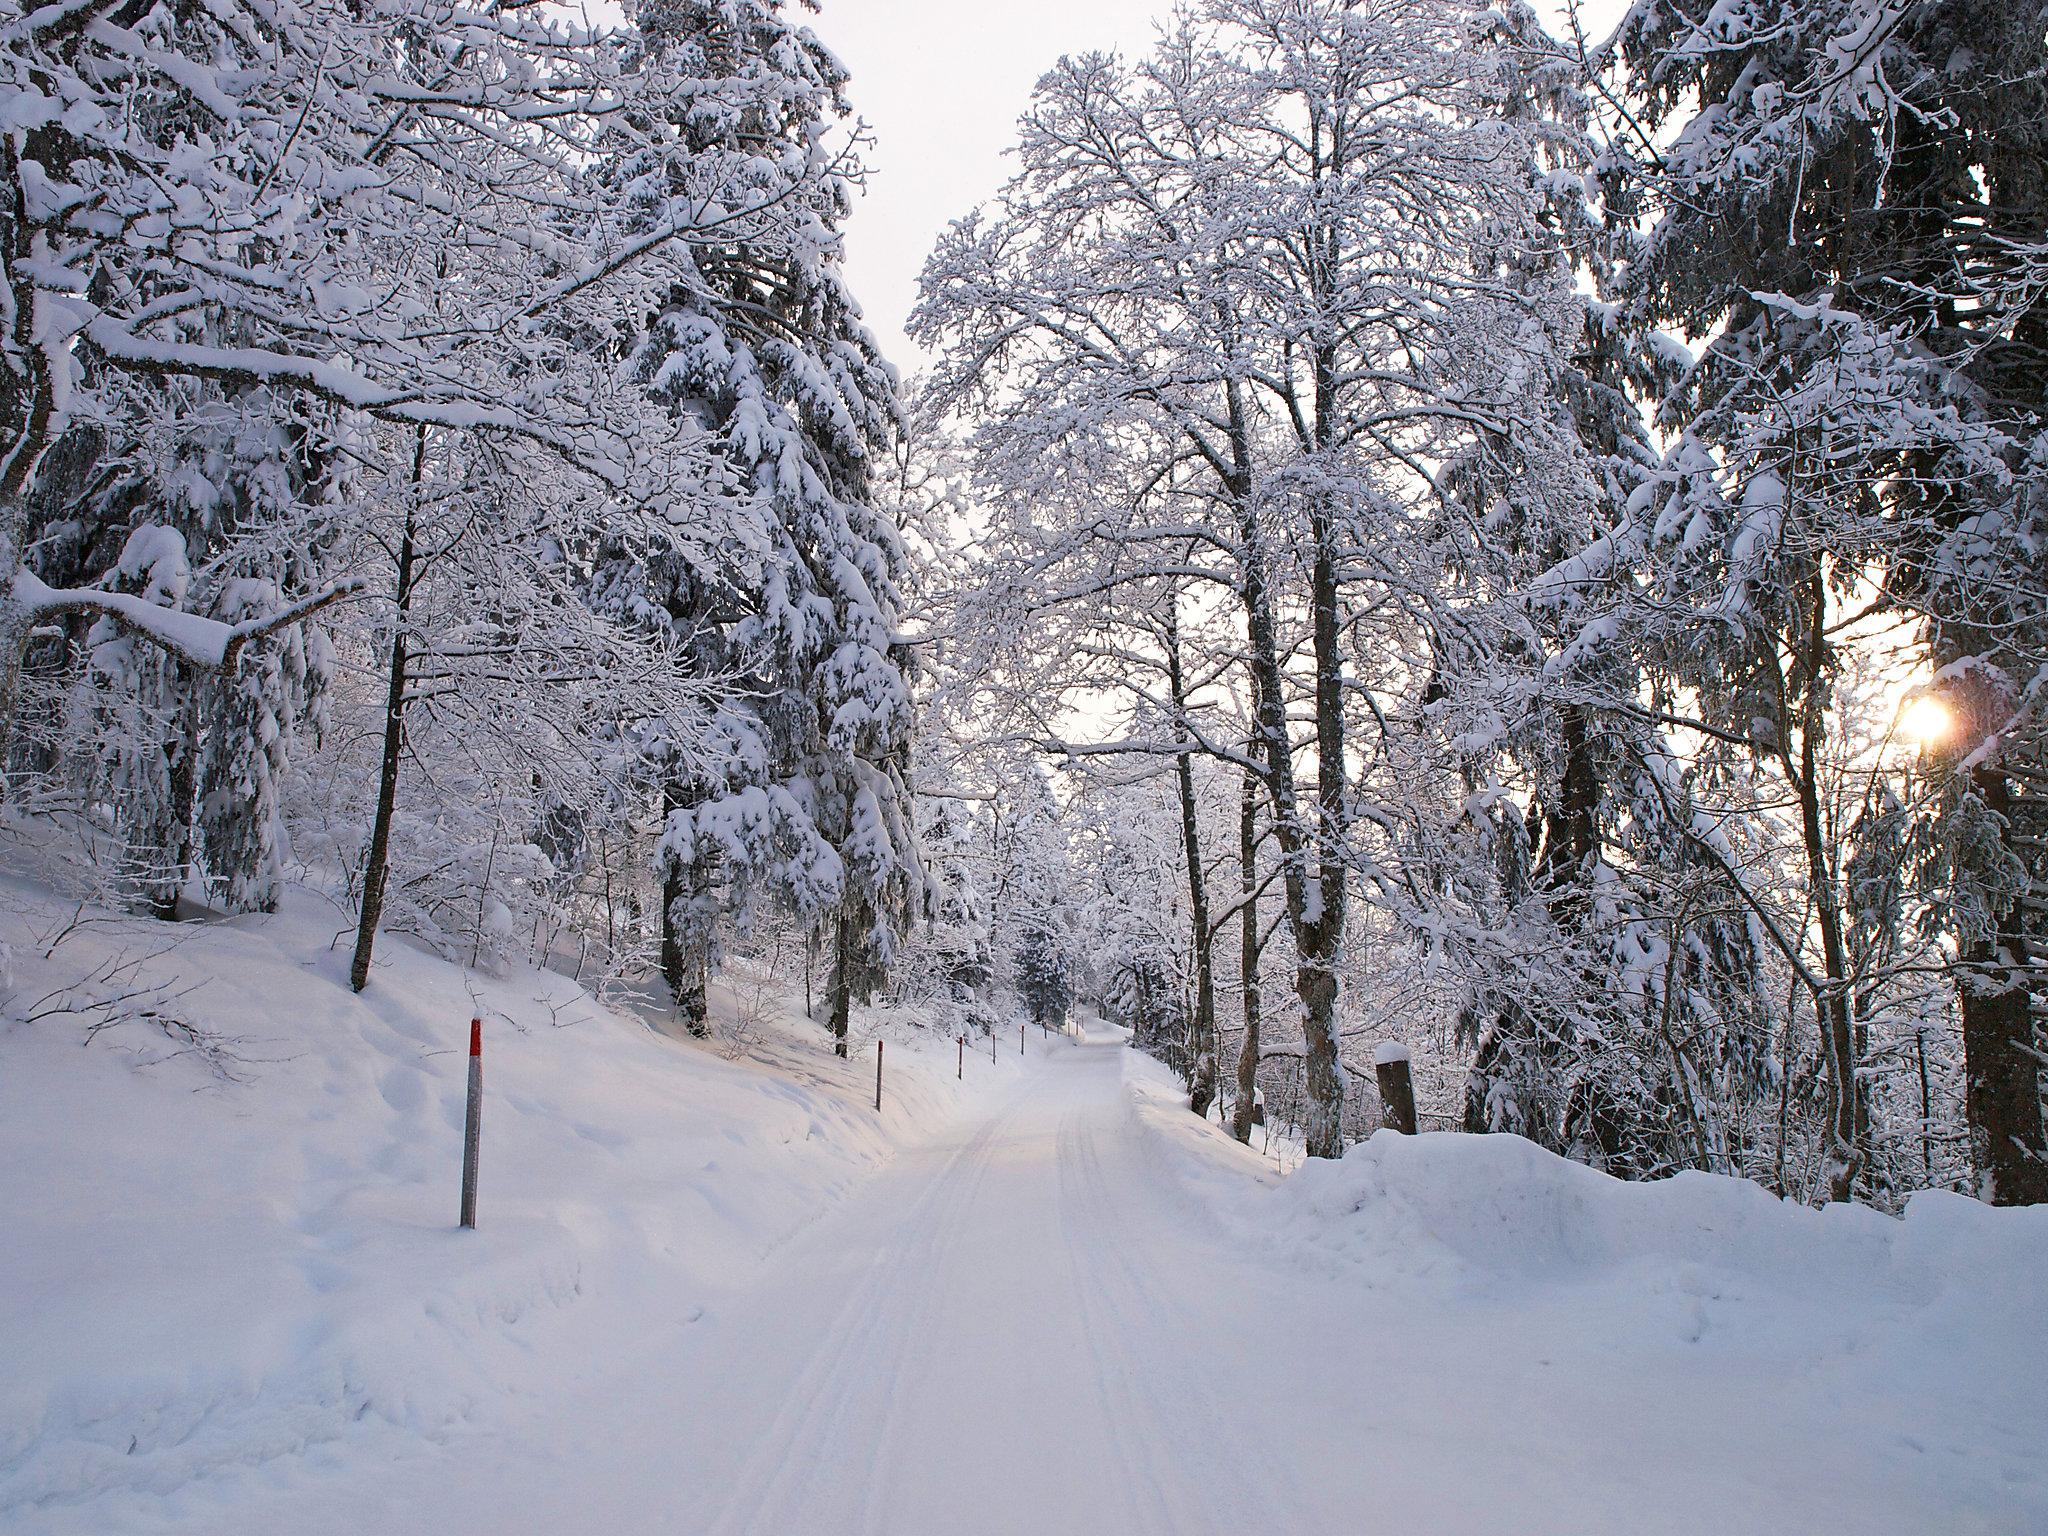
(1500, 1210)
(1493, 1212)
(200, 1273)
(1521, 1303)
(1949, 1302)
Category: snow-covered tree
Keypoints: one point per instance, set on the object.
(1613, 1014)
(759, 343)
(1215, 330)
(211, 314)
(1044, 972)
(214, 510)
(505, 711)
(1132, 915)
(1031, 903)
(1842, 195)
(949, 965)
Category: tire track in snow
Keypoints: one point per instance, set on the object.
(1136, 1430)
(1243, 1489)
(913, 1335)
(809, 1432)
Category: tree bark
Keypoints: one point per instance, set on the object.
(842, 986)
(376, 872)
(1312, 877)
(1397, 1093)
(163, 881)
(1201, 1062)
(1323, 919)
(1846, 1120)
(1323, 922)
(2002, 1070)
(685, 965)
(1245, 1106)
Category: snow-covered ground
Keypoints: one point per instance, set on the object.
(724, 1296)
(208, 1283)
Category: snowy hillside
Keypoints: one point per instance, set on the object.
(202, 1273)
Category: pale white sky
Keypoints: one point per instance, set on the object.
(941, 83)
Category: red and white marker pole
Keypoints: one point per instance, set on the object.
(472, 1132)
(878, 1077)
(960, 1068)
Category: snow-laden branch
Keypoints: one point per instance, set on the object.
(196, 640)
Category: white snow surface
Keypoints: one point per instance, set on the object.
(724, 1296)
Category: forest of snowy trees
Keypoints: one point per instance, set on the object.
(1415, 524)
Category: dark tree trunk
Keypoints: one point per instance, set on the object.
(162, 885)
(1323, 921)
(842, 986)
(1313, 875)
(1323, 916)
(1397, 1094)
(1201, 1049)
(1571, 825)
(1847, 1125)
(1244, 1107)
(685, 959)
(377, 870)
(2002, 1072)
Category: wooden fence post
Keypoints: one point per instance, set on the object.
(1397, 1087)
(472, 1129)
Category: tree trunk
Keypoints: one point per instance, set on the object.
(1847, 1128)
(685, 961)
(162, 881)
(2002, 1072)
(842, 986)
(1244, 1107)
(14, 638)
(1201, 1062)
(1312, 878)
(1323, 919)
(376, 873)
(1323, 923)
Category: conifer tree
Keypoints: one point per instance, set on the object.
(1845, 204)
(761, 344)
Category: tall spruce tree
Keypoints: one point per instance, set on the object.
(1609, 1020)
(1843, 195)
(762, 344)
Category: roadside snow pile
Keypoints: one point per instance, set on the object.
(1490, 1210)
(1499, 1214)
(201, 1272)
(1921, 1340)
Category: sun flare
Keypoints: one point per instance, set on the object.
(1925, 721)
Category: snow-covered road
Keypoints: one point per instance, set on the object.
(1035, 1323)
(1001, 1331)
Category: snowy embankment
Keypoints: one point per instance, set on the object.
(200, 1273)
(1523, 1303)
